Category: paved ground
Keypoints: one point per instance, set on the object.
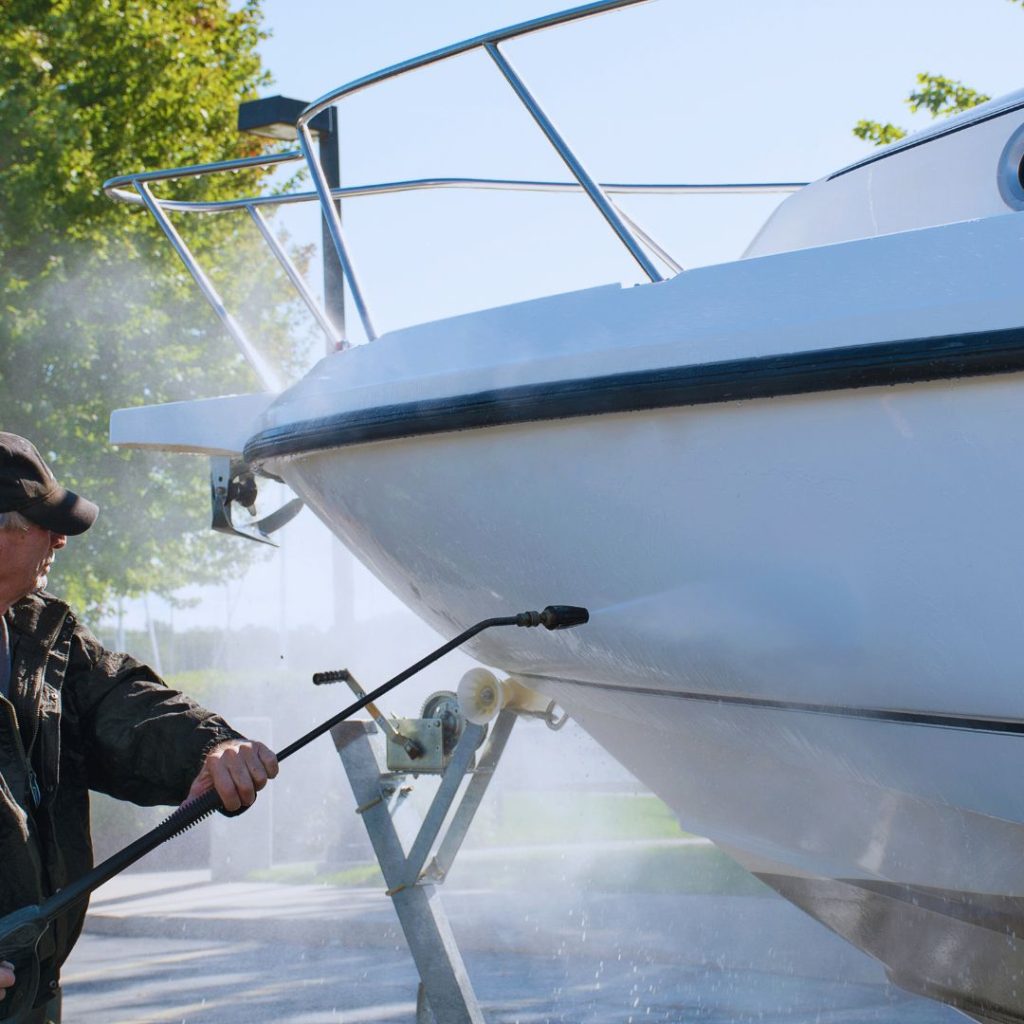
(148, 980)
(174, 947)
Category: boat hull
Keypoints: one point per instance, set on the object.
(805, 624)
(859, 548)
(851, 820)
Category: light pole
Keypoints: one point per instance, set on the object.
(274, 117)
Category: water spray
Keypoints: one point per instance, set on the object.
(21, 930)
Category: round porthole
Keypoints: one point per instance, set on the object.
(1011, 171)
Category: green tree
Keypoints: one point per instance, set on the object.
(95, 310)
(938, 95)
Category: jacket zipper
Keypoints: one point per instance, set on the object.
(35, 790)
(33, 780)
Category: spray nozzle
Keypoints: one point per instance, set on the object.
(555, 616)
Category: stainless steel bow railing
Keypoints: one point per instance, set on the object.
(137, 188)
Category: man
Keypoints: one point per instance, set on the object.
(75, 717)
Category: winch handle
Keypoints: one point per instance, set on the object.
(22, 929)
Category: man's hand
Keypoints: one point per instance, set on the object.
(237, 769)
(6, 977)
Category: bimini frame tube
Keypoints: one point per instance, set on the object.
(115, 188)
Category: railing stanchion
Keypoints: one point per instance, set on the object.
(267, 376)
(330, 212)
(331, 332)
(578, 171)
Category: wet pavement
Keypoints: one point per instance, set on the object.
(113, 980)
(176, 947)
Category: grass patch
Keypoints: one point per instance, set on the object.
(203, 684)
(529, 840)
(523, 817)
(357, 876)
(641, 869)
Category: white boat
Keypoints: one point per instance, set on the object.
(786, 488)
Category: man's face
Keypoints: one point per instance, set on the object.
(26, 557)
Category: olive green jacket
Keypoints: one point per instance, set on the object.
(80, 717)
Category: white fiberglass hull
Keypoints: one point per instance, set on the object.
(805, 589)
(793, 568)
(805, 624)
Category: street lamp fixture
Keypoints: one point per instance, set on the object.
(274, 117)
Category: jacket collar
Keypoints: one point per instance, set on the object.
(38, 618)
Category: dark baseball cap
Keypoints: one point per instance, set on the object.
(28, 487)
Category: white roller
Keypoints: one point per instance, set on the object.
(482, 695)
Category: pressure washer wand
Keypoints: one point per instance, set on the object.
(553, 617)
(21, 930)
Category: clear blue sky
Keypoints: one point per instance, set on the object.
(670, 90)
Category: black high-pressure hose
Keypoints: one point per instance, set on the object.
(21, 930)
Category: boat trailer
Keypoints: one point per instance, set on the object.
(415, 856)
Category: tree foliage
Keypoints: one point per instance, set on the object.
(95, 310)
(936, 94)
